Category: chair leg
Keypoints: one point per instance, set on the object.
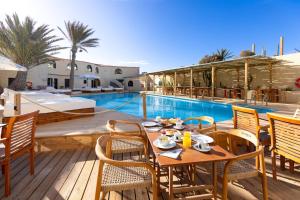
(103, 194)
(32, 161)
(292, 166)
(273, 155)
(264, 186)
(225, 188)
(7, 179)
(282, 162)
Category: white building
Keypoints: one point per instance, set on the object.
(56, 73)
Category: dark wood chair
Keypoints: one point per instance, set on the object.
(17, 139)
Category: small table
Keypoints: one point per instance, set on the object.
(188, 157)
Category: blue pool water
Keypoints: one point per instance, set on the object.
(165, 107)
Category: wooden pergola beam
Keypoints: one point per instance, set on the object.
(213, 70)
(175, 83)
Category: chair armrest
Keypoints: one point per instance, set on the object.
(3, 141)
(128, 123)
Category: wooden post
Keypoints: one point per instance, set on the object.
(144, 106)
(191, 83)
(238, 75)
(164, 84)
(146, 82)
(175, 83)
(213, 70)
(1, 115)
(153, 87)
(281, 46)
(17, 103)
(246, 80)
(270, 76)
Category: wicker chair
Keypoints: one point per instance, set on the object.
(18, 139)
(247, 119)
(116, 175)
(207, 129)
(240, 167)
(127, 142)
(285, 140)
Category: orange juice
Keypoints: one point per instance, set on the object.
(186, 140)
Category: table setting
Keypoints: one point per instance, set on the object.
(174, 136)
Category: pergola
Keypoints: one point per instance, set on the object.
(237, 63)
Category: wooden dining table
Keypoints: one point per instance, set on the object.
(189, 157)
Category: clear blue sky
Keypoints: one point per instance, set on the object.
(159, 34)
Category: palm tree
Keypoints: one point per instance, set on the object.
(79, 36)
(26, 44)
(223, 54)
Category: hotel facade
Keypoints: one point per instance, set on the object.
(56, 73)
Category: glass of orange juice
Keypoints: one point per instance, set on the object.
(187, 141)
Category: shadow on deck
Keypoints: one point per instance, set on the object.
(72, 175)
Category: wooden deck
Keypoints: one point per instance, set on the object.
(72, 175)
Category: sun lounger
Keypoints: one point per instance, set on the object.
(49, 105)
(108, 89)
(91, 90)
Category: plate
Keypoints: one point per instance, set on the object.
(202, 138)
(149, 124)
(178, 127)
(154, 129)
(196, 146)
(169, 146)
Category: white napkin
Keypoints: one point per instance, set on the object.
(171, 154)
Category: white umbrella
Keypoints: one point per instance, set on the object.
(8, 65)
(89, 76)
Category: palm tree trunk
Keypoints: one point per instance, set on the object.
(72, 76)
(20, 81)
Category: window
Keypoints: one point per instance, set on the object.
(130, 83)
(97, 70)
(52, 64)
(50, 82)
(67, 83)
(118, 71)
(89, 68)
(69, 66)
(10, 80)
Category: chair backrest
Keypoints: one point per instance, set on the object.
(224, 138)
(20, 131)
(245, 119)
(285, 135)
(112, 126)
(201, 119)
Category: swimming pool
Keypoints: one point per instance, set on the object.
(165, 107)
